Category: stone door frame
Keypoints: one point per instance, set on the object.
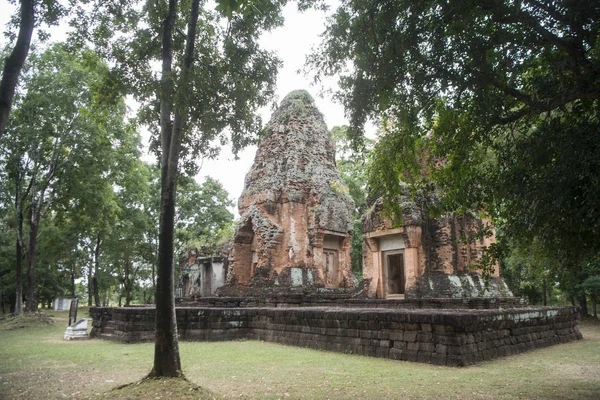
(384, 266)
(333, 270)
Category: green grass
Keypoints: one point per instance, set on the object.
(36, 363)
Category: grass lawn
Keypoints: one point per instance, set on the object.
(36, 363)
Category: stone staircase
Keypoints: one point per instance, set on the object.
(108, 331)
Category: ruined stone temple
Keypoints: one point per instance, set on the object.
(201, 273)
(296, 216)
(289, 278)
(425, 257)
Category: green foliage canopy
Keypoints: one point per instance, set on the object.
(231, 77)
(498, 100)
(203, 217)
(62, 150)
(352, 163)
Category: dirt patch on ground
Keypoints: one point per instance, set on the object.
(589, 321)
(25, 320)
(161, 388)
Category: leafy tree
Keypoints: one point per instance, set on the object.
(58, 259)
(190, 103)
(130, 251)
(58, 123)
(99, 206)
(530, 272)
(7, 261)
(203, 216)
(592, 285)
(498, 100)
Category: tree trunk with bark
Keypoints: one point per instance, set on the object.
(545, 293)
(583, 305)
(73, 266)
(31, 300)
(14, 63)
(19, 250)
(96, 269)
(166, 352)
(128, 282)
(90, 289)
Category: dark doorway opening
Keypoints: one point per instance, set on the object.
(396, 279)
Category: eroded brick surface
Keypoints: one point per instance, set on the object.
(436, 255)
(295, 226)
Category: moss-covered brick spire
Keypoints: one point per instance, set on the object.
(296, 162)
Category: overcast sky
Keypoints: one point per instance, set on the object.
(292, 42)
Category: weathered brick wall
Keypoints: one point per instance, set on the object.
(443, 337)
(292, 197)
(331, 298)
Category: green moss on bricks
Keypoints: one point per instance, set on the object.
(297, 104)
(298, 95)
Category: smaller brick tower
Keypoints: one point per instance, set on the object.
(426, 257)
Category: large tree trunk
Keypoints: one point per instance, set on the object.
(14, 63)
(96, 269)
(166, 351)
(128, 282)
(583, 305)
(32, 304)
(19, 250)
(545, 293)
(128, 293)
(91, 283)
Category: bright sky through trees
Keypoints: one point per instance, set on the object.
(292, 42)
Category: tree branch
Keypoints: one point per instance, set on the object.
(515, 93)
(14, 63)
(524, 18)
(540, 107)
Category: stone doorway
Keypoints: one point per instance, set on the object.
(207, 280)
(395, 276)
(331, 260)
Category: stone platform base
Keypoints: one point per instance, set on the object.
(442, 337)
(344, 301)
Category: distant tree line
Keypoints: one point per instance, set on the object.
(78, 204)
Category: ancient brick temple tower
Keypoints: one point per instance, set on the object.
(296, 216)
